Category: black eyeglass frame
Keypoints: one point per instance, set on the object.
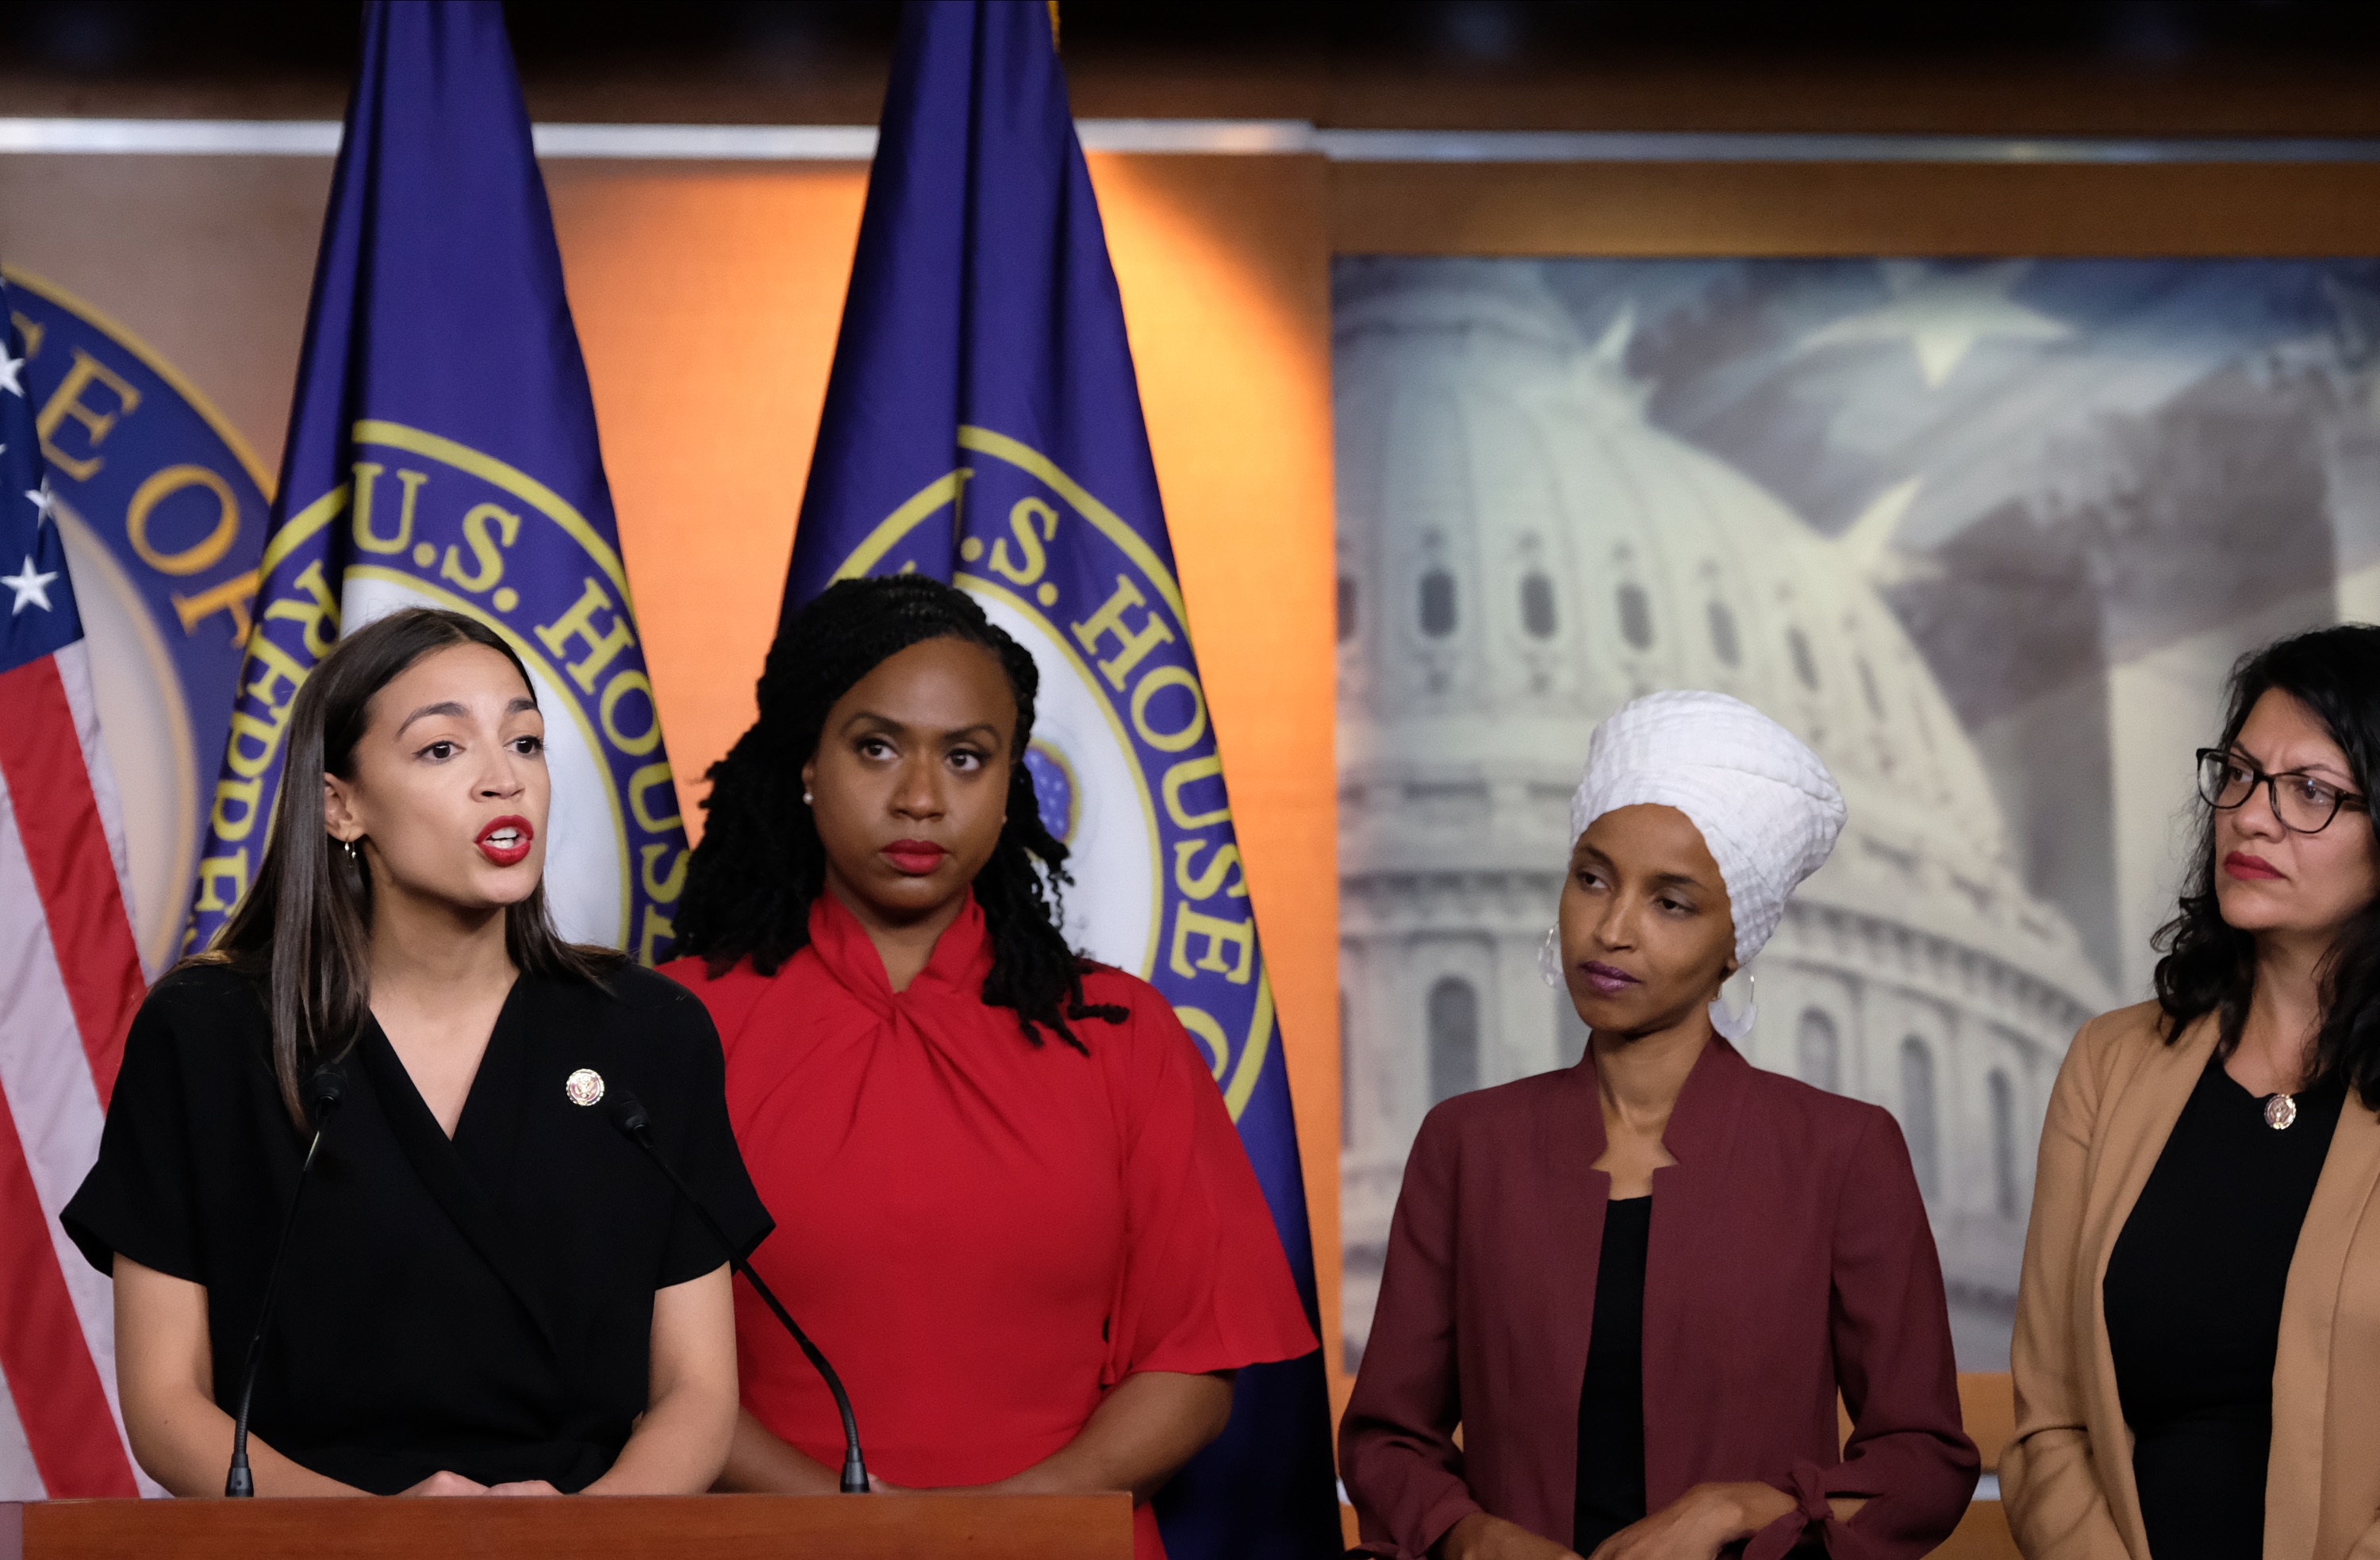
(2272, 784)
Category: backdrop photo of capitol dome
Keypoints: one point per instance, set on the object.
(1987, 535)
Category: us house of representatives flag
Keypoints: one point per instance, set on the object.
(983, 425)
(442, 452)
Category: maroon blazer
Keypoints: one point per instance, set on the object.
(1790, 1257)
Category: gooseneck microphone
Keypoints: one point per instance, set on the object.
(324, 1092)
(628, 1114)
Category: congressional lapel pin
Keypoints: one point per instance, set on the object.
(585, 1086)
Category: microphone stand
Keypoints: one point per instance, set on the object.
(628, 1114)
(323, 1093)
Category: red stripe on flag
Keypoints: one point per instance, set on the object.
(57, 817)
(59, 1398)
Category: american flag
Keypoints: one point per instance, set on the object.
(70, 978)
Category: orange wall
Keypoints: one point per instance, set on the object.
(1224, 263)
(707, 302)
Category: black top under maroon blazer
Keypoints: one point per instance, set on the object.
(1788, 1257)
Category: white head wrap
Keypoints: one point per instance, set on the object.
(1767, 807)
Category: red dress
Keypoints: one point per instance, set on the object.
(982, 1234)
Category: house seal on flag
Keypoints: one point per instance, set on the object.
(442, 452)
(1124, 758)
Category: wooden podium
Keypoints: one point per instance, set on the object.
(628, 1526)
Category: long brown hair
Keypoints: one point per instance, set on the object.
(304, 932)
(2209, 965)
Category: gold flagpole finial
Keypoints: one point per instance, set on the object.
(1053, 23)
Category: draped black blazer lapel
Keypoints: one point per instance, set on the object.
(443, 1167)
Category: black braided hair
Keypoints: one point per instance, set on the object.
(762, 866)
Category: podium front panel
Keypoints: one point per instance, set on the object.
(907, 1527)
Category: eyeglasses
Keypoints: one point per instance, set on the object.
(2304, 804)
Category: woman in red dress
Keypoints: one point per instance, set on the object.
(1011, 1207)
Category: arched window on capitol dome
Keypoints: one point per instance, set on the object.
(1868, 689)
(1817, 1052)
(1454, 1038)
(1436, 603)
(1538, 605)
(1919, 1116)
(1637, 616)
(2003, 1188)
(1722, 633)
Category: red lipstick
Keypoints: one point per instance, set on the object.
(1606, 980)
(506, 840)
(2250, 869)
(913, 857)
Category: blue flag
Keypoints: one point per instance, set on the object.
(30, 541)
(983, 426)
(442, 452)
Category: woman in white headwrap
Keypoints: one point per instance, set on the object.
(1636, 1286)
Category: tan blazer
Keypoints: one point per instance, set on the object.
(2067, 1479)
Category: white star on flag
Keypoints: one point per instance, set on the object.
(42, 499)
(1942, 315)
(30, 587)
(8, 367)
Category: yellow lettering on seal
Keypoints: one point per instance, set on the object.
(1132, 644)
(66, 401)
(1021, 521)
(208, 550)
(232, 596)
(367, 477)
(578, 623)
(215, 872)
(1239, 937)
(484, 547)
(317, 622)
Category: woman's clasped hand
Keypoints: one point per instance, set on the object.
(1696, 1526)
(445, 1483)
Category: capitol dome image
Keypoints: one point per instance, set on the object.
(1522, 549)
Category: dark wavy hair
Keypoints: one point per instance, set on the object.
(2209, 966)
(304, 932)
(761, 865)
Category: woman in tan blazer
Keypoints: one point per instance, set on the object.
(2197, 1347)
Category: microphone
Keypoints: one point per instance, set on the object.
(324, 1092)
(628, 1114)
